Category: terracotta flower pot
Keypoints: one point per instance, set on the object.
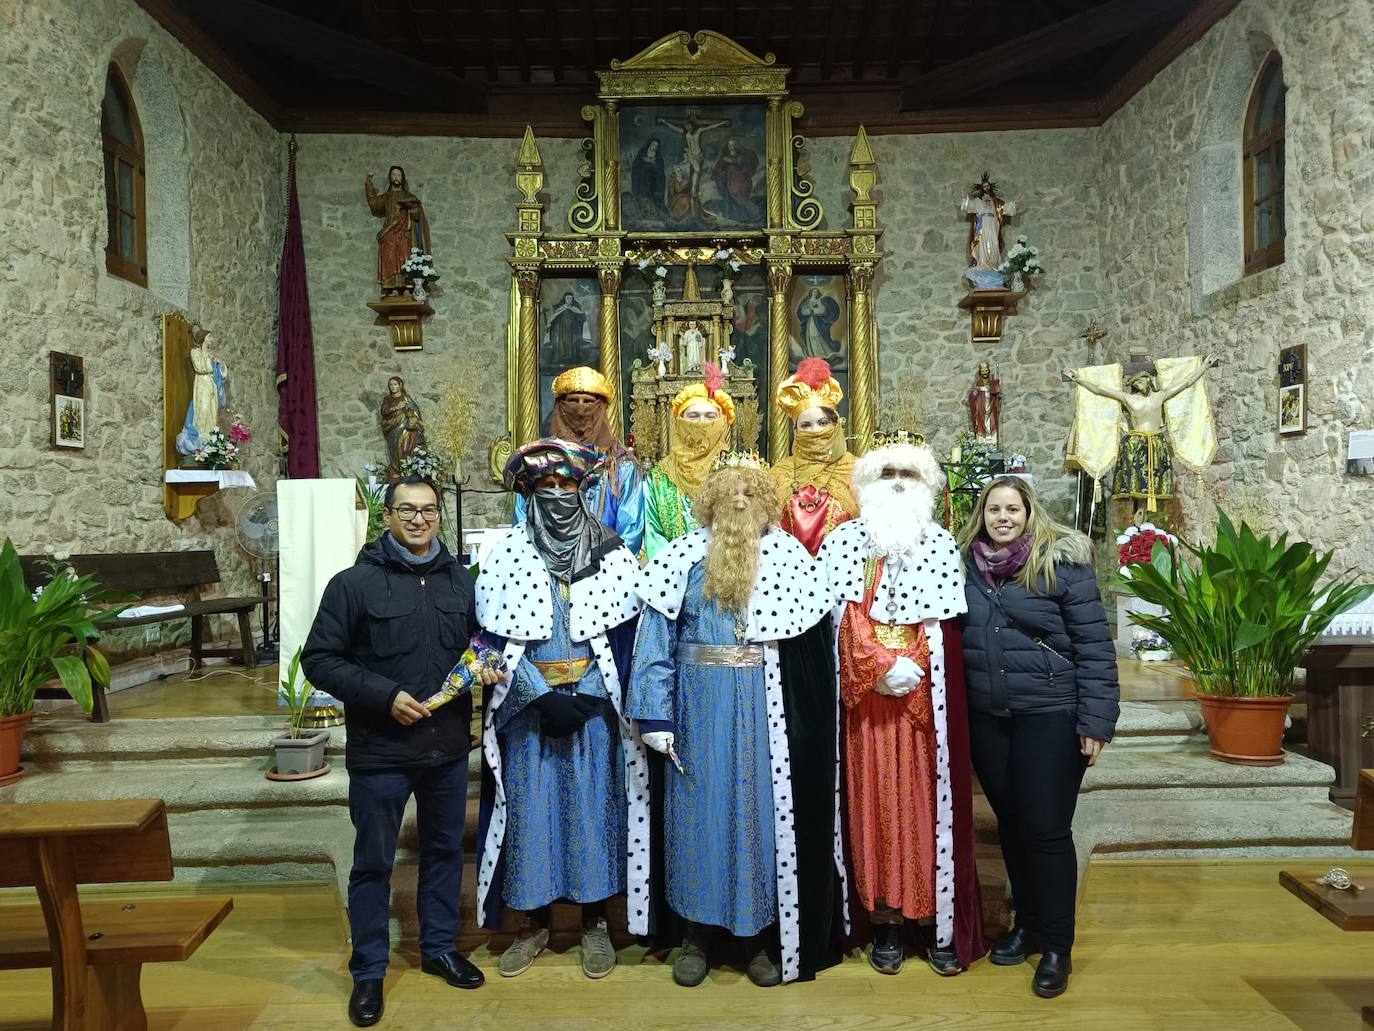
(12, 730)
(1245, 731)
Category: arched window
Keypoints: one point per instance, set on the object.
(126, 248)
(1264, 228)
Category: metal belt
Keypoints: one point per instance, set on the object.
(562, 671)
(739, 655)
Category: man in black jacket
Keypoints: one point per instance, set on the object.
(387, 633)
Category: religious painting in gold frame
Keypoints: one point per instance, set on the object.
(707, 77)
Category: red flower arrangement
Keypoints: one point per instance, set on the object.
(1137, 542)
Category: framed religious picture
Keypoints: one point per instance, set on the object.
(818, 324)
(1293, 389)
(570, 332)
(67, 390)
(693, 168)
(1293, 408)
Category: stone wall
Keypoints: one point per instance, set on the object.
(1170, 187)
(214, 235)
(467, 187)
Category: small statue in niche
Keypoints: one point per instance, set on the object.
(209, 393)
(405, 227)
(402, 425)
(985, 404)
(727, 291)
(987, 214)
(691, 346)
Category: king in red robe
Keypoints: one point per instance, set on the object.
(898, 584)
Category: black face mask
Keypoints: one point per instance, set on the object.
(568, 538)
(561, 512)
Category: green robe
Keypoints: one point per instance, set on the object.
(667, 512)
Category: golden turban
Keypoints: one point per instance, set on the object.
(583, 380)
(712, 391)
(811, 386)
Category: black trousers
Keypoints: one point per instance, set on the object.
(1030, 768)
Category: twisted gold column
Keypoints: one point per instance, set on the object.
(527, 396)
(863, 360)
(779, 279)
(610, 346)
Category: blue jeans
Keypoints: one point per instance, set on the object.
(376, 803)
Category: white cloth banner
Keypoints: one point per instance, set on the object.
(322, 532)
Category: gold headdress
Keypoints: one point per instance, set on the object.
(811, 386)
(884, 438)
(583, 380)
(739, 460)
(711, 391)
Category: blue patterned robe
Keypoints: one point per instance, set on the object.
(718, 817)
(567, 810)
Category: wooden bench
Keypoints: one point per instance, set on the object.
(176, 575)
(96, 949)
(1348, 909)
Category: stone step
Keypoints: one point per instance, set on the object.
(162, 739)
(1162, 771)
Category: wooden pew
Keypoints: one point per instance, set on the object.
(176, 576)
(96, 949)
(1348, 909)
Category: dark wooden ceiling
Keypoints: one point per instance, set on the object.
(491, 66)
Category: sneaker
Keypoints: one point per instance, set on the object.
(598, 954)
(523, 951)
(692, 963)
(886, 954)
(761, 969)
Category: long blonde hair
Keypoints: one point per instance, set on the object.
(732, 560)
(1046, 535)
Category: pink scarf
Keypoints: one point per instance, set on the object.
(1001, 564)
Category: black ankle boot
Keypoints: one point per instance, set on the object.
(886, 953)
(1052, 975)
(1014, 946)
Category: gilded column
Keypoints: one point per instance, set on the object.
(608, 143)
(777, 166)
(863, 359)
(527, 396)
(610, 344)
(779, 279)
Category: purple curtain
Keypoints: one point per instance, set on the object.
(296, 411)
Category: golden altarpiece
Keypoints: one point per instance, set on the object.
(694, 214)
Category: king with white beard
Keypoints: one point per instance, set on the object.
(898, 585)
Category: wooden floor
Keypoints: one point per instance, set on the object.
(232, 691)
(1162, 945)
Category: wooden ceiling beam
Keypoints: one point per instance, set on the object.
(339, 53)
(859, 44)
(481, 20)
(835, 21)
(589, 55)
(1041, 49)
(555, 43)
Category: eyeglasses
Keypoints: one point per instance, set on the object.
(408, 512)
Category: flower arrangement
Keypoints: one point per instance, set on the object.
(372, 492)
(423, 461)
(1136, 544)
(726, 261)
(451, 431)
(218, 452)
(238, 432)
(651, 268)
(1149, 646)
(419, 266)
(1021, 260)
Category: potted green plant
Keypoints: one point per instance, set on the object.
(300, 754)
(1240, 617)
(44, 634)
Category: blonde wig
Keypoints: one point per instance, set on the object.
(732, 559)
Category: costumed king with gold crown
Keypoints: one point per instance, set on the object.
(565, 774)
(615, 490)
(898, 585)
(813, 483)
(702, 416)
(733, 682)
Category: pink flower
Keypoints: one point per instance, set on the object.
(238, 433)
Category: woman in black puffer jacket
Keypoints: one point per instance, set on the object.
(1043, 699)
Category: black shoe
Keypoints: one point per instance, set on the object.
(1013, 947)
(944, 962)
(365, 1004)
(454, 969)
(1052, 975)
(886, 953)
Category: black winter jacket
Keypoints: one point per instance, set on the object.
(1030, 653)
(385, 626)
